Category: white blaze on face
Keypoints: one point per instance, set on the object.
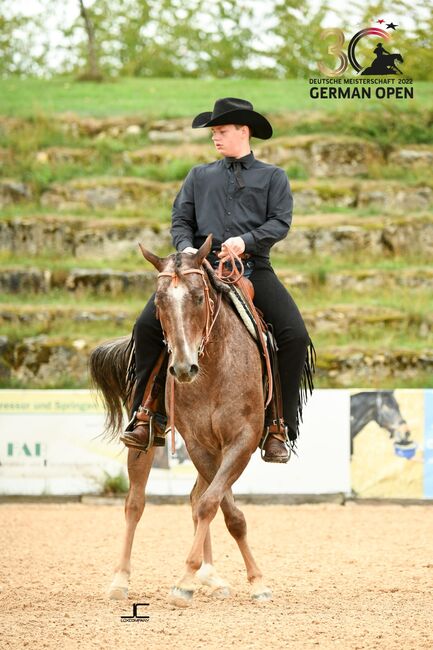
(177, 295)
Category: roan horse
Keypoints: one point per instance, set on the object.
(219, 411)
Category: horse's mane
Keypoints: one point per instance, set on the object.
(215, 282)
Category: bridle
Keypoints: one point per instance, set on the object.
(211, 312)
(211, 316)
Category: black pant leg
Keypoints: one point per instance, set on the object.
(292, 337)
(148, 338)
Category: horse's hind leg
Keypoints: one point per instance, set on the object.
(139, 465)
(207, 574)
(237, 527)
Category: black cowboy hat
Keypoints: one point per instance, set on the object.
(230, 110)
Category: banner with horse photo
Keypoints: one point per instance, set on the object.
(392, 443)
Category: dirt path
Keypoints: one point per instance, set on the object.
(352, 577)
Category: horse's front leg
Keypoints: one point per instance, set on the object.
(220, 477)
(207, 574)
(139, 465)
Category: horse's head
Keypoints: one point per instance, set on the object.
(389, 417)
(184, 307)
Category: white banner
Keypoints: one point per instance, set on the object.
(51, 443)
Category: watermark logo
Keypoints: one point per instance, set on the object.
(382, 71)
(136, 617)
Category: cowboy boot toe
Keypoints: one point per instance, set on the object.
(275, 450)
(138, 437)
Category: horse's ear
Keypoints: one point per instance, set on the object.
(157, 262)
(204, 250)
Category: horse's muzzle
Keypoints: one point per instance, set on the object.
(184, 373)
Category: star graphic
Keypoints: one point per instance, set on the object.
(391, 26)
(380, 21)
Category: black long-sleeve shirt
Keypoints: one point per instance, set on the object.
(211, 201)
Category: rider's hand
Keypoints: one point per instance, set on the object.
(190, 250)
(236, 244)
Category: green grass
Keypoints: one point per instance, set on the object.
(421, 380)
(321, 380)
(369, 336)
(159, 98)
(153, 215)
(27, 169)
(315, 266)
(69, 330)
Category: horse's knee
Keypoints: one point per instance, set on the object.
(134, 505)
(207, 507)
(236, 524)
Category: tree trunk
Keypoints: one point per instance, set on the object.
(93, 72)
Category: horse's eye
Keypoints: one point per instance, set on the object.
(198, 299)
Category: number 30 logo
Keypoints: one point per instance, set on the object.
(336, 49)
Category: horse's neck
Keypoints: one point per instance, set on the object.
(226, 336)
(364, 411)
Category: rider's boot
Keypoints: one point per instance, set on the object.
(146, 429)
(274, 448)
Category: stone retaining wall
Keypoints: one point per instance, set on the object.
(114, 283)
(41, 361)
(321, 235)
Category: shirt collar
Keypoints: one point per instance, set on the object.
(246, 161)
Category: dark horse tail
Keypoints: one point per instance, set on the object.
(111, 370)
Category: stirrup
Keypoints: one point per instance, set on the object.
(268, 433)
(154, 440)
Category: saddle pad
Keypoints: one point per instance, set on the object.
(243, 310)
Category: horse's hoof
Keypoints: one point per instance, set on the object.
(118, 593)
(221, 593)
(262, 595)
(209, 577)
(181, 597)
(119, 586)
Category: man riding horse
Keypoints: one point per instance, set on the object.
(247, 205)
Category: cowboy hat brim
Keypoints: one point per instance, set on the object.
(260, 126)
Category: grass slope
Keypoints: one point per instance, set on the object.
(160, 98)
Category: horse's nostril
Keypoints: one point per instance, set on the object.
(172, 371)
(194, 369)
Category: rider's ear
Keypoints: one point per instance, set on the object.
(204, 250)
(157, 262)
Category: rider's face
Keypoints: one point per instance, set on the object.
(229, 139)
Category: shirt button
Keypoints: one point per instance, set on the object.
(228, 212)
(230, 198)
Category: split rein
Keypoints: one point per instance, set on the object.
(227, 275)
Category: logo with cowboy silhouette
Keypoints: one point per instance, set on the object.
(384, 63)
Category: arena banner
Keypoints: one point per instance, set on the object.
(367, 443)
(392, 443)
(51, 443)
(428, 444)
